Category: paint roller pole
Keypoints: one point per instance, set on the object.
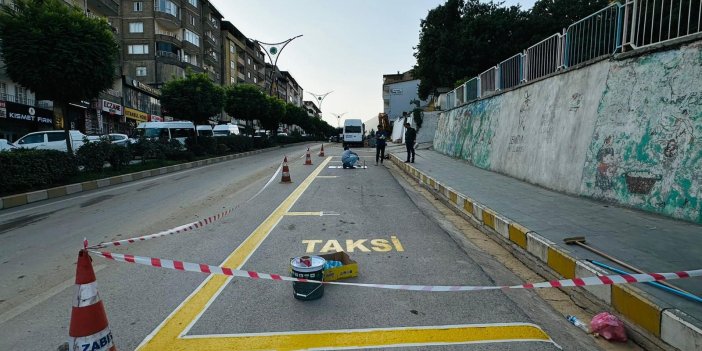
(580, 241)
(656, 284)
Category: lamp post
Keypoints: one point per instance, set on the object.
(320, 97)
(338, 119)
(273, 51)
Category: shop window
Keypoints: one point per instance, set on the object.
(141, 71)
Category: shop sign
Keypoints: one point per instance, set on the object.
(154, 118)
(27, 113)
(111, 107)
(396, 91)
(147, 88)
(136, 115)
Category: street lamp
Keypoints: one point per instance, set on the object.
(273, 51)
(320, 97)
(338, 119)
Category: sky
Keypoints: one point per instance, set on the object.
(346, 47)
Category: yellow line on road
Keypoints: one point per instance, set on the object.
(166, 336)
(360, 338)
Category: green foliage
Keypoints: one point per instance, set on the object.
(236, 143)
(194, 98)
(120, 156)
(276, 112)
(463, 38)
(92, 155)
(27, 169)
(418, 116)
(56, 51)
(246, 102)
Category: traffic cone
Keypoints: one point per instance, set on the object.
(286, 172)
(89, 329)
(308, 158)
(321, 152)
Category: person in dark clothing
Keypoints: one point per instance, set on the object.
(380, 141)
(410, 138)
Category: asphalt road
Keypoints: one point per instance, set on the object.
(393, 235)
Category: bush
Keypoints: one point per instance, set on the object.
(147, 149)
(120, 156)
(236, 143)
(22, 170)
(92, 155)
(262, 143)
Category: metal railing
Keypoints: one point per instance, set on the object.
(488, 81)
(167, 33)
(167, 54)
(511, 72)
(20, 99)
(593, 36)
(634, 24)
(544, 57)
(648, 22)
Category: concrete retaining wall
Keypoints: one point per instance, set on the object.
(625, 131)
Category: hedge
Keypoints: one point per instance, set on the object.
(27, 169)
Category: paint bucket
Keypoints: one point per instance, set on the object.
(308, 267)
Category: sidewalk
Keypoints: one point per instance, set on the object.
(650, 242)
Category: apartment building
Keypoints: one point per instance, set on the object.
(399, 90)
(243, 58)
(312, 109)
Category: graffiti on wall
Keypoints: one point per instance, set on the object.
(646, 149)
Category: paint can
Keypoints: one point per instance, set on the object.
(308, 267)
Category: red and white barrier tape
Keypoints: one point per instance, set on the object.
(587, 281)
(185, 227)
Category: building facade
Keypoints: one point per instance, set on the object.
(399, 92)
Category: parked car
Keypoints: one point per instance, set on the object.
(225, 130)
(114, 138)
(179, 130)
(204, 130)
(51, 140)
(6, 146)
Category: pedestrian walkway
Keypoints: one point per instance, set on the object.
(648, 241)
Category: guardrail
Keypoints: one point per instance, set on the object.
(616, 28)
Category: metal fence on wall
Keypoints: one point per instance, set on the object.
(618, 27)
(593, 36)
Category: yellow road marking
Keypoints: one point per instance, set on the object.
(170, 334)
(359, 338)
(166, 336)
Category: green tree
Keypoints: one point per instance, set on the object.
(276, 112)
(246, 102)
(192, 98)
(57, 52)
(552, 16)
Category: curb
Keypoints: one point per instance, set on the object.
(670, 325)
(64, 190)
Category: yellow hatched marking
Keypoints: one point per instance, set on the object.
(167, 335)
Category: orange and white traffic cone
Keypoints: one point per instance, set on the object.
(308, 158)
(286, 172)
(321, 152)
(89, 329)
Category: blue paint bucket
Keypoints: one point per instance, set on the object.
(308, 267)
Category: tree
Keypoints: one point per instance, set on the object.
(552, 16)
(276, 111)
(245, 101)
(57, 52)
(193, 98)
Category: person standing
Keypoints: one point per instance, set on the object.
(380, 141)
(410, 138)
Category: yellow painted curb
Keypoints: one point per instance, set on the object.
(56, 192)
(468, 206)
(561, 263)
(517, 234)
(115, 180)
(13, 201)
(637, 308)
(489, 219)
(453, 197)
(91, 185)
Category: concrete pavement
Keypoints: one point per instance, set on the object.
(537, 220)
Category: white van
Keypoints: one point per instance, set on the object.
(353, 132)
(51, 140)
(180, 130)
(226, 130)
(204, 130)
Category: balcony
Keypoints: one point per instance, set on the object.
(169, 37)
(168, 57)
(240, 75)
(20, 99)
(167, 16)
(105, 7)
(212, 57)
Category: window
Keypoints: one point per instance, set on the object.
(138, 6)
(32, 139)
(182, 132)
(191, 37)
(3, 90)
(139, 49)
(248, 74)
(232, 65)
(255, 79)
(248, 60)
(232, 80)
(141, 71)
(20, 94)
(232, 49)
(167, 7)
(136, 27)
(56, 136)
(192, 20)
(193, 2)
(255, 67)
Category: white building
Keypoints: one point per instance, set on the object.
(399, 90)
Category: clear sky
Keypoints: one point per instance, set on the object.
(346, 46)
